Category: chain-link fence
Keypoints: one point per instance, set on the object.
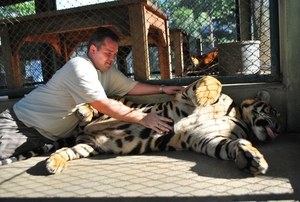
(160, 39)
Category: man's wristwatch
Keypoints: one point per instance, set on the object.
(161, 88)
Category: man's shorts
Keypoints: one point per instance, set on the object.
(15, 137)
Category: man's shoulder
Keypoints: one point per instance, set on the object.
(81, 59)
(80, 64)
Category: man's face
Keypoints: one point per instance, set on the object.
(105, 56)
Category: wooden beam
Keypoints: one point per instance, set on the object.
(164, 51)
(176, 39)
(245, 19)
(139, 41)
(9, 65)
(18, 83)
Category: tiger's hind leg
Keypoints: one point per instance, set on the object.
(208, 91)
(104, 141)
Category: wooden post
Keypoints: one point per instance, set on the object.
(245, 20)
(139, 41)
(164, 51)
(177, 45)
(11, 63)
(47, 53)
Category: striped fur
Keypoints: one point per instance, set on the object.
(205, 121)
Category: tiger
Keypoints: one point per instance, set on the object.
(205, 121)
(204, 64)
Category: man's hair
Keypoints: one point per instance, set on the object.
(100, 35)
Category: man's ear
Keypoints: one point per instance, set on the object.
(93, 48)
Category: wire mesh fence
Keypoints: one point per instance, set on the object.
(160, 39)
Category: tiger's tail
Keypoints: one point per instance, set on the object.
(26, 155)
(47, 148)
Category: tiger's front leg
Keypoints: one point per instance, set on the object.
(249, 159)
(241, 151)
(57, 162)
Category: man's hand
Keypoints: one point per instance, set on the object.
(156, 122)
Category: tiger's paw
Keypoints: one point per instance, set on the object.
(249, 159)
(56, 163)
(208, 91)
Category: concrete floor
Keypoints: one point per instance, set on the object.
(171, 176)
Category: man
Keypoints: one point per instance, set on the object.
(47, 113)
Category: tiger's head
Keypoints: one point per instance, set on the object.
(263, 119)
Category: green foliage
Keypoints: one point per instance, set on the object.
(210, 21)
(17, 10)
(191, 15)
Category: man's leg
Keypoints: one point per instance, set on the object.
(16, 138)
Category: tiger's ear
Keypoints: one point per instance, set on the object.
(263, 96)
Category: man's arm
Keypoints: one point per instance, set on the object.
(121, 112)
(146, 89)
